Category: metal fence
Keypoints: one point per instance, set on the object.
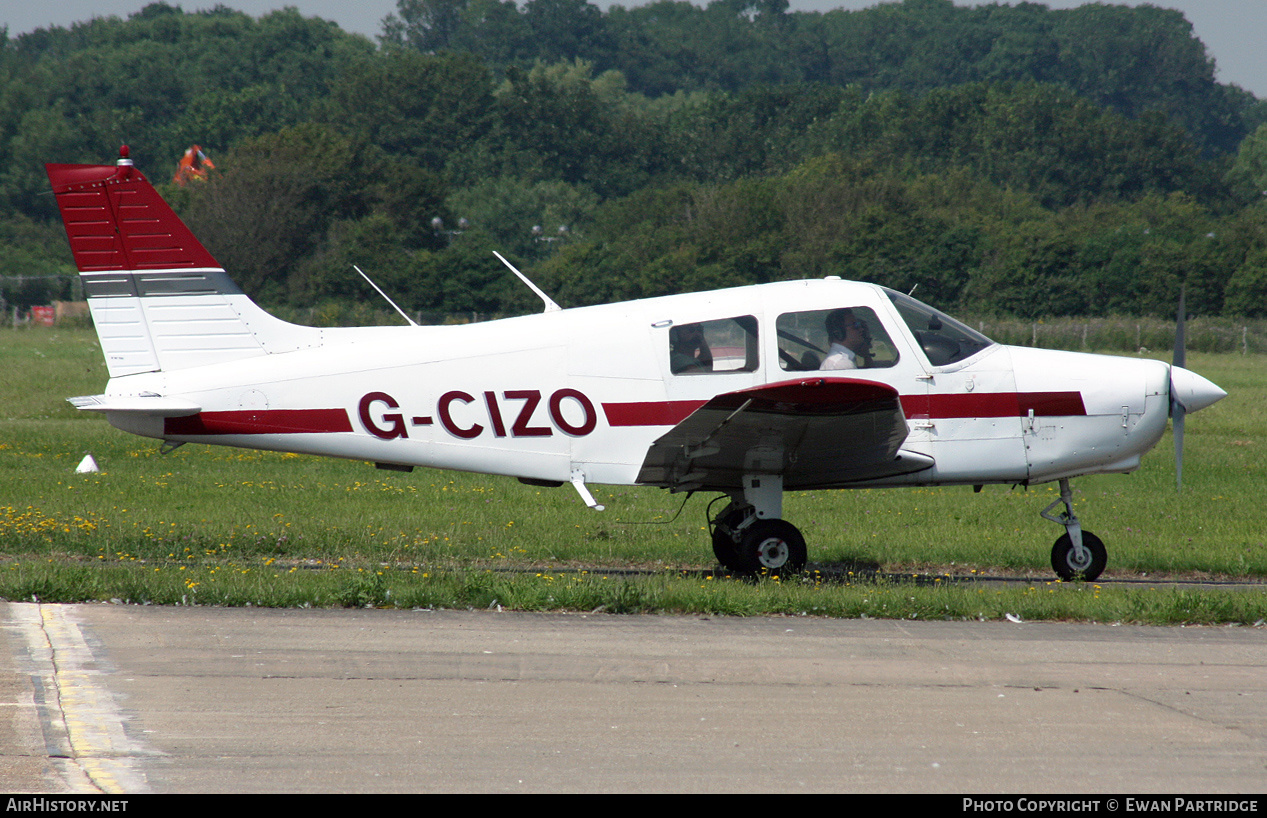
(1127, 334)
(1112, 334)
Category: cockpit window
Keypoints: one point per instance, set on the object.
(839, 338)
(943, 339)
(724, 345)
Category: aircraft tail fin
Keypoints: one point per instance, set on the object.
(159, 300)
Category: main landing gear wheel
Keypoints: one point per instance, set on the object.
(1066, 563)
(725, 545)
(772, 548)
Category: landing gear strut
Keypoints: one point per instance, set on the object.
(748, 537)
(1077, 554)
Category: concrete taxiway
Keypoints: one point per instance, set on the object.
(115, 698)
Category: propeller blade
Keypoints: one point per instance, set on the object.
(1177, 413)
(1181, 340)
(1177, 410)
(1189, 392)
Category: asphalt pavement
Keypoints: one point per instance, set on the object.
(130, 699)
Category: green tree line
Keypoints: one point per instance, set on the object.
(1014, 160)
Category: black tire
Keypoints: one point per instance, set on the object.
(725, 548)
(772, 548)
(1068, 568)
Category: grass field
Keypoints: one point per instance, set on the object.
(213, 525)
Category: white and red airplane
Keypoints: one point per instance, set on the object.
(750, 391)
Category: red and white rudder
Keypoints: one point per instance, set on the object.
(158, 298)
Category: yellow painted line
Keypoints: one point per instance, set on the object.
(76, 692)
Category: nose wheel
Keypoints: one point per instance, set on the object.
(1069, 563)
(1077, 554)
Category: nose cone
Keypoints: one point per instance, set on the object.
(1192, 391)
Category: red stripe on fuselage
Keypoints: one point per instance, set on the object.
(981, 405)
(1051, 404)
(261, 422)
(641, 413)
(995, 405)
(650, 413)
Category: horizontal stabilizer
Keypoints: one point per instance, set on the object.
(152, 405)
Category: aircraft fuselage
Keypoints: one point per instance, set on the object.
(541, 395)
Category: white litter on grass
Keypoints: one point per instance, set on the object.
(1013, 618)
(87, 465)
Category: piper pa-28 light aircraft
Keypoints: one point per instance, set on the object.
(750, 392)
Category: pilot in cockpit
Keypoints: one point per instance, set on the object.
(850, 341)
(688, 350)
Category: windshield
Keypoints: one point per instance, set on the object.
(943, 339)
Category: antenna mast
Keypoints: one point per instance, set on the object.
(384, 295)
(549, 302)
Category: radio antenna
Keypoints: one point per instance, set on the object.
(384, 295)
(549, 302)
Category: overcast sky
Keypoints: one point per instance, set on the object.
(1232, 30)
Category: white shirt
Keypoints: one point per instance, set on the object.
(839, 357)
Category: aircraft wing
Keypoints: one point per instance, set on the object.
(816, 432)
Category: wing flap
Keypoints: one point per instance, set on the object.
(815, 432)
